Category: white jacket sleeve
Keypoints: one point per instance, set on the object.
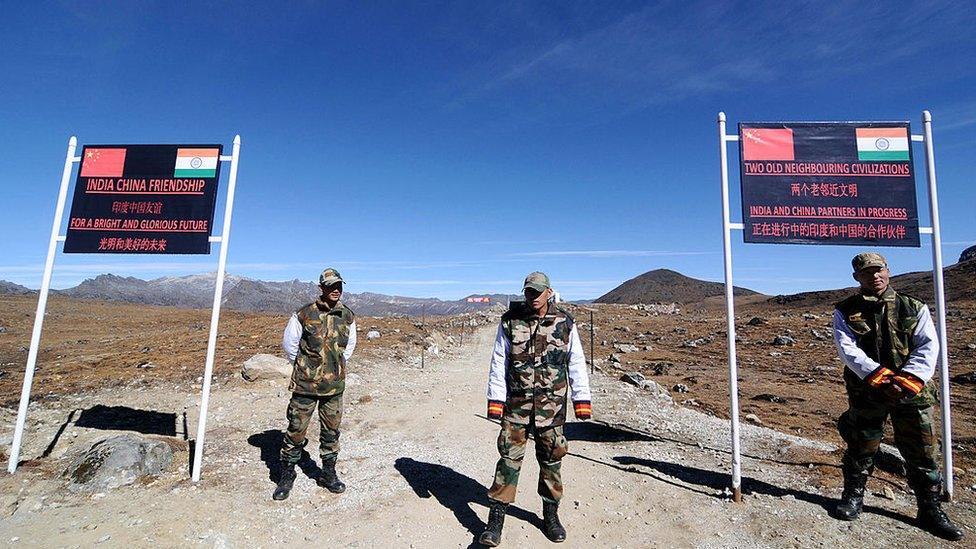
(291, 337)
(852, 355)
(351, 343)
(921, 363)
(579, 380)
(497, 388)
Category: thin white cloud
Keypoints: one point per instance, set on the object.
(609, 253)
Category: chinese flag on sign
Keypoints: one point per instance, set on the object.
(767, 144)
(103, 163)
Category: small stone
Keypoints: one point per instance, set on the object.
(888, 493)
(971, 346)
(753, 418)
(103, 539)
(372, 334)
(680, 388)
(783, 340)
(756, 321)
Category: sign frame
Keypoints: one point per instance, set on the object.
(935, 231)
(224, 241)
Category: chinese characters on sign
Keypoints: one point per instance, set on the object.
(849, 183)
(148, 199)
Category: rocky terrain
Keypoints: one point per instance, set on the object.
(418, 451)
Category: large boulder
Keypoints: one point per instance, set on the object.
(264, 366)
(118, 461)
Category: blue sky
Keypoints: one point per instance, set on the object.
(444, 149)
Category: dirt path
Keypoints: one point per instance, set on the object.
(417, 457)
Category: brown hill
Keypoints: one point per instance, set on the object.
(960, 284)
(666, 286)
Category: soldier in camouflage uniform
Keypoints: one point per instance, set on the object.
(537, 359)
(319, 339)
(889, 345)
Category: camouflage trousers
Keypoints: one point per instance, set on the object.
(550, 447)
(862, 427)
(300, 410)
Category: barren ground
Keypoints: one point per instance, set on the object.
(417, 451)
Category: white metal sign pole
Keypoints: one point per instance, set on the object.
(730, 313)
(940, 303)
(52, 247)
(215, 314)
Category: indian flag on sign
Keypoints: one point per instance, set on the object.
(196, 162)
(882, 143)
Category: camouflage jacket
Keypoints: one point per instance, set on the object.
(319, 367)
(890, 336)
(535, 363)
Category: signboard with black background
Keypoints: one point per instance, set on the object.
(144, 199)
(849, 183)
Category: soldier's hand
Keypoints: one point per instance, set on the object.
(892, 392)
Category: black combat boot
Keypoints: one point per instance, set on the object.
(550, 518)
(852, 499)
(285, 482)
(931, 518)
(329, 479)
(492, 535)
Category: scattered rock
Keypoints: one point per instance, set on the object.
(888, 493)
(783, 340)
(680, 388)
(146, 349)
(775, 353)
(968, 378)
(118, 461)
(626, 348)
(615, 359)
(888, 459)
(434, 349)
(636, 379)
(265, 366)
(757, 321)
(770, 398)
(372, 334)
(817, 334)
(810, 316)
(971, 346)
(145, 364)
(753, 418)
(696, 342)
(660, 368)
(3, 330)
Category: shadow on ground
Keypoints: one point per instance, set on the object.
(455, 492)
(269, 442)
(719, 481)
(123, 418)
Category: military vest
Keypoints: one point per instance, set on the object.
(884, 328)
(320, 366)
(537, 369)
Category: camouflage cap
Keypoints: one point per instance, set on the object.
(538, 281)
(868, 259)
(329, 277)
